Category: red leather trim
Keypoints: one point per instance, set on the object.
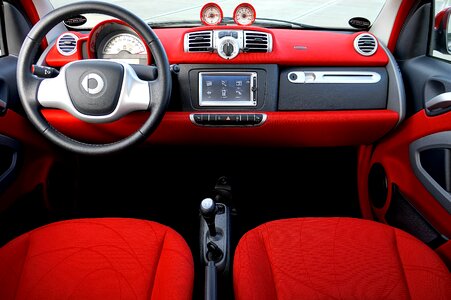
(95, 33)
(56, 59)
(393, 154)
(37, 153)
(34, 17)
(401, 16)
(298, 129)
(317, 51)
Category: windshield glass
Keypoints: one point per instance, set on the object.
(325, 14)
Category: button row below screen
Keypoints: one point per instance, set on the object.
(228, 119)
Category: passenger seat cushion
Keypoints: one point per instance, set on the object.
(336, 258)
(97, 259)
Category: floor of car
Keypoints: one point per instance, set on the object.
(166, 185)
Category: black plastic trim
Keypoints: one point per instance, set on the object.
(433, 141)
(403, 215)
(3, 41)
(211, 281)
(333, 96)
(8, 175)
(267, 91)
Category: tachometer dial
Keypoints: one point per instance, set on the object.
(244, 14)
(124, 42)
(211, 14)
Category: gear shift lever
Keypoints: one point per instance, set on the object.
(208, 211)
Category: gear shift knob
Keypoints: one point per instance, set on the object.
(208, 211)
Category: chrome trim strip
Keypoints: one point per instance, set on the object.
(344, 77)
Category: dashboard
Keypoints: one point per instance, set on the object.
(251, 85)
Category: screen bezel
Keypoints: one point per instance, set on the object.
(253, 90)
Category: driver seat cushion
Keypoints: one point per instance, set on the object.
(97, 259)
(336, 258)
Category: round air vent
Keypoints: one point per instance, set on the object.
(365, 44)
(67, 44)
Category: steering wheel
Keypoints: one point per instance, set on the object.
(93, 90)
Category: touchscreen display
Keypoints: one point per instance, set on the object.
(222, 89)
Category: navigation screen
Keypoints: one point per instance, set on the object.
(222, 89)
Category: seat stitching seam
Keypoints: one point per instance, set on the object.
(334, 261)
(398, 255)
(23, 266)
(269, 260)
(158, 264)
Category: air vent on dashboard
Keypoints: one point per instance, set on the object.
(200, 41)
(365, 44)
(67, 44)
(255, 41)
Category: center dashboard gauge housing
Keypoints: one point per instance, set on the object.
(244, 14)
(211, 14)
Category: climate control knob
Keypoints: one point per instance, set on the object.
(228, 48)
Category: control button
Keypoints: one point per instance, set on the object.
(221, 34)
(258, 118)
(197, 118)
(234, 34)
(221, 118)
(235, 119)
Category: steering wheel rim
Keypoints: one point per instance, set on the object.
(28, 84)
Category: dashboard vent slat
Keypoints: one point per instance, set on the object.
(67, 44)
(201, 41)
(365, 44)
(255, 41)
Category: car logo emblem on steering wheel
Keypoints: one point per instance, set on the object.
(92, 83)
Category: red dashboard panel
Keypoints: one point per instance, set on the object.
(56, 59)
(299, 129)
(290, 48)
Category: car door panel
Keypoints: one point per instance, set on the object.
(405, 179)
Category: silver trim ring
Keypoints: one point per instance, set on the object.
(95, 90)
(73, 51)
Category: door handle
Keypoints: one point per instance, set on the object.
(439, 104)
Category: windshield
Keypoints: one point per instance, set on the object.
(325, 14)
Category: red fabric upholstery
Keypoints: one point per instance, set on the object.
(336, 258)
(97, 259)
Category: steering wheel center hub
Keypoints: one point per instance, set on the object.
(94, 86)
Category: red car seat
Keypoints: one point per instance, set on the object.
(97, 259)
(336, 258)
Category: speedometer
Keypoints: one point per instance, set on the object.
(124, 42)
(244, 14)
(211, 14)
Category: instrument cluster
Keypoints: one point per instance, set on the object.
(244, 14)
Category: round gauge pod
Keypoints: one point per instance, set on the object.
(211, 14)
(244, 14)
